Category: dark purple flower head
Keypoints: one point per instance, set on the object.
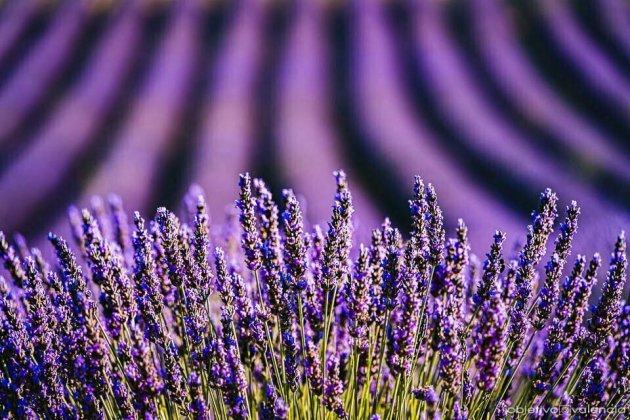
(339, 238)
(557, 340)
(489, 340)
(620, 358)
(607, 311)
(313, 368)
(224, 286)
(235, 386)
(273, 407)
(334, 388)
(174, 377)
(502, 410)
(426, 394)
(294, 245)
(435, 228)
(200, 245)
(460, 411)
(251, 239)
(123, 397)
(493, 266)
(72, 277)
(449, 344)
(250, 325)
(392, 269)
(455, 262)
(117, 297)
(169, 231)
(590, 391)
(11, 261)
(579, 301)
(272, 258)
(148, 286)
(531, 254)
(197, 407)
(418, 251)
(569, 288)
(553, 269)
(358, 299)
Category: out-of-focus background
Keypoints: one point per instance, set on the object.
(490, 100)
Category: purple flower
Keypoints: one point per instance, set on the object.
(338, 239)
(294, 246)
(235, 385)
(271, 246)
(549, 292)
(530, 256)
(273, 407)
(489, 340)
(607, 311)
(169, 231)
(357, 300)
(449, 345)
(402, 337)
(557, 340)
(418, 245)
(589, 394)
(313, 368)
(200, 244)
(493, 266)
(620, 358)
(429, 397)
(377, 259)
(251, 240)
(174, 381)
(249, 324)
(435, 228)
(148, 286)
(334, 388)
(392, 269)
(197, 407)
(116, 297)
(579, 302)
(123, 397)
(11, 261)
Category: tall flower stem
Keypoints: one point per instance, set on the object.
(380, 363)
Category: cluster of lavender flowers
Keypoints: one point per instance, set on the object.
(265, 317)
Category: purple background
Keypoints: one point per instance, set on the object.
(491, 101)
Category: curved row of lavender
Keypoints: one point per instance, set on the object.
(491, 100)
(265, 317)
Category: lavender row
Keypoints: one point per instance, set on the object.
(263, 318)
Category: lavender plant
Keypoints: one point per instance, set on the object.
(168, 319)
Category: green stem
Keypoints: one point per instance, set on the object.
(382, 359)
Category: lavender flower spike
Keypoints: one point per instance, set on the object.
(436, 226)
(247, 207)
(294, 245)
(339, 238)
(532, 253)
(490, 340)
(553, 270)
(608, 309)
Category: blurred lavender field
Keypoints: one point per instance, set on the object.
(490, 100)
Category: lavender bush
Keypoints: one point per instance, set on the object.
(267, 318)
